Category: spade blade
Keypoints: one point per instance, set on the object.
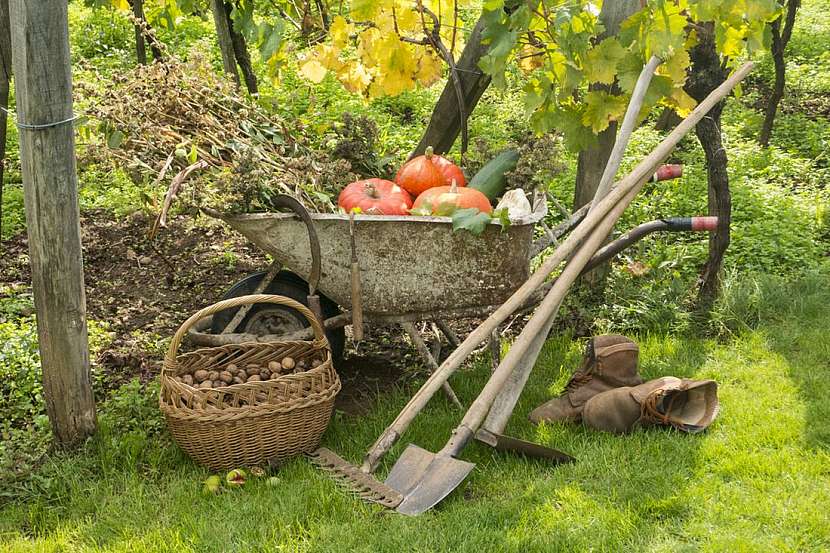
(425, 478)
(502, 442)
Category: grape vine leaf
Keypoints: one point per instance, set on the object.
(629, 69)
(601, 108)
(470, 219)
(600, 65)
(313, 70)
(340, 31)
(666, 29)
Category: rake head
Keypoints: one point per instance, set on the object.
(351, 478)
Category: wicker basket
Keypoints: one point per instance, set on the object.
(249, 424)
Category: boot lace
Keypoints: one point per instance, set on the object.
(650, 412)
(578, 380)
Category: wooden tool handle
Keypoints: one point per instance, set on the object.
(357, 304)
(536, 328)
(357, 294)
(631, 183)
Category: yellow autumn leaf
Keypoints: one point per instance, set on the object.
(683, 103)
(675, 67)
(367, 46)
(409, 21)
(327, 54)
(430, 69)
(395, 56)
(354, 77)
(385, 22)
(313, 70)
(559, 64)
(120, 5)
(340, 31)
(729, 40)
(530, 58)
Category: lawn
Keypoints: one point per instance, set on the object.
(755, 481)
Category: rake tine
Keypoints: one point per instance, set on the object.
(352, 479)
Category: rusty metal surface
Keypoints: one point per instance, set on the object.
(412, 265)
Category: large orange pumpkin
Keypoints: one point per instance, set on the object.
(375, 197)
(428, 171)
(443, 200)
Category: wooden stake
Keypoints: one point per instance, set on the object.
(42, 67)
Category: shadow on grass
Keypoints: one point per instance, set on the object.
(801, 335)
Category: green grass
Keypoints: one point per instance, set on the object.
(753, 482)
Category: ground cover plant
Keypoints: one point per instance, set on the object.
(752, 482)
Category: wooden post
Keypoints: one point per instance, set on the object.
(5, 78)
(43, 79)
(223, 35)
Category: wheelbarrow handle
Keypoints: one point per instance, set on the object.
(283, 200)
(672, 224)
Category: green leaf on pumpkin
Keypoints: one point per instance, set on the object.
(470, 219)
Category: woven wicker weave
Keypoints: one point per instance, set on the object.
(249, 424)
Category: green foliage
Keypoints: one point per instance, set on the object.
(21, 388)
(112, 189)
(14, 213)
(559, 46)
(102, 35)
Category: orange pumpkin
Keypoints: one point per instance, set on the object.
(449, 171)
(443, 200)
(428, 171)
(375, 197)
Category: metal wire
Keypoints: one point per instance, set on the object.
(31, 127)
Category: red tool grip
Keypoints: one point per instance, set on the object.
(704, 223)
(668, 172)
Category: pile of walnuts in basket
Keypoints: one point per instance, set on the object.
(232, 374)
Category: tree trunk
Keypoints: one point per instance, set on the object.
(707, 74)
(140, 50)
(780, 38)
(223, 35)
(240, 51)
(445, 123)
(5, 79)
(591, 162)
(720, 204)
(43, 85)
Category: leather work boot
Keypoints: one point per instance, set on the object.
(609, 362)
(687, 405)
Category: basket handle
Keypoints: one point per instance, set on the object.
(170, 356)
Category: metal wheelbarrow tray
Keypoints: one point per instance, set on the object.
(411, 267)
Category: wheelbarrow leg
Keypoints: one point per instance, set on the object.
(495, 348)
(423, 350)
(452, 337)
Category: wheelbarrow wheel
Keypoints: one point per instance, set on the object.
(266, 318)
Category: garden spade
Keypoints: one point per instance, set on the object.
(421, 479)
(424, 478)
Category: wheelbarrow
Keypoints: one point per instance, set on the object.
(411, 268)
